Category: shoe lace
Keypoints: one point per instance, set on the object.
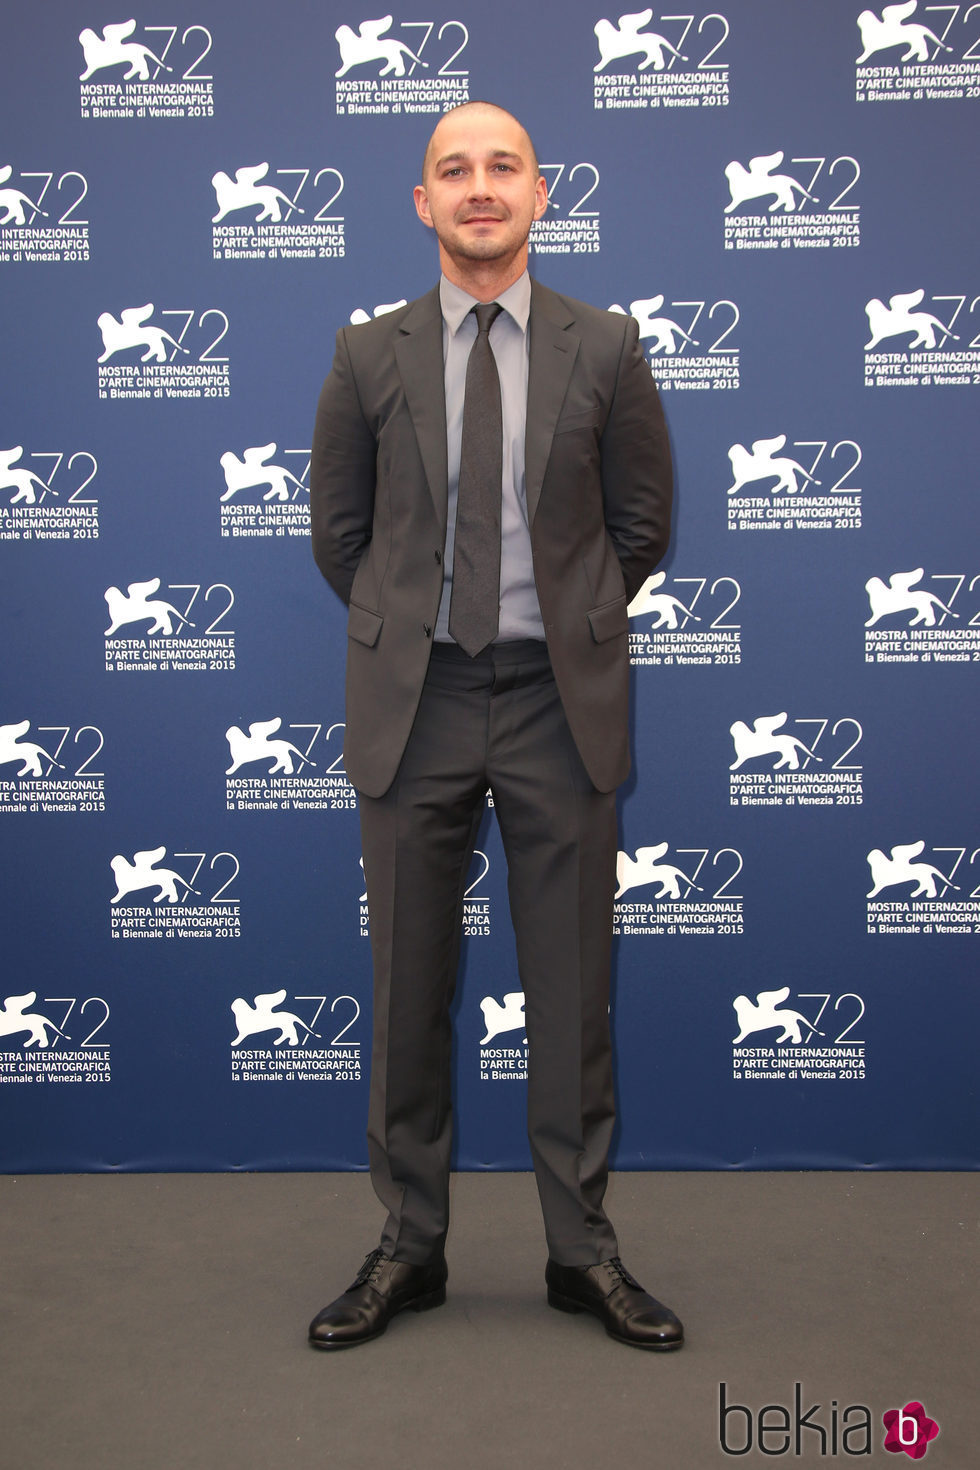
(371, 1269)
(617, 1269)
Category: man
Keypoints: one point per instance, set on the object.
(490, 486)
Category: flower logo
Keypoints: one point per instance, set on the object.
(909, 1429)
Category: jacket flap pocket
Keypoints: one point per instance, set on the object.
(609, 620)
(363, 624)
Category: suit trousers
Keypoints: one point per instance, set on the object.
(492, 721)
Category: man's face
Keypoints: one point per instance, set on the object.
(481, 189)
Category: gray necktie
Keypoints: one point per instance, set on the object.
(474, 607)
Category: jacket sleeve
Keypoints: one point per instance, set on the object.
(342, 476)
(637, 477)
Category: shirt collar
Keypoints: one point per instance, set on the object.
(457, 303)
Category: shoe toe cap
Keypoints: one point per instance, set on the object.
(654, 1323)
(340, 1323)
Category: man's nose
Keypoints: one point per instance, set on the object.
(481, 184)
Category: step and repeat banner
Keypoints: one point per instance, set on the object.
(194, 196)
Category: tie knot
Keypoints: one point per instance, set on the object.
(486, 314)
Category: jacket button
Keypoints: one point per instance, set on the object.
(439, 558)
(426, 630)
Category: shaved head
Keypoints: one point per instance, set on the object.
(432, 145)
(481, 191)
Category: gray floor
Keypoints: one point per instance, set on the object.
(159, 1321)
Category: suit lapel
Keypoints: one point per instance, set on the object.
(553, 350)
(418, 352)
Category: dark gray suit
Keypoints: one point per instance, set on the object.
(547, 730)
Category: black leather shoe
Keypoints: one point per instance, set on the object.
(609, 1292)
(381, 1288)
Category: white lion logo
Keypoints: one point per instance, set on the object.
(897, 868)
(251, 1020)
(21, 480)
(365, 44)
(661, 605)
(506, 1017)
(13, 202)
(359, 316)
(762, 464)
(13, 749)
(256, 746)
(252, 472)
(245, 192)
(757, 181)
(627, 38)
(142, 872)
(112, 49)
(646, 868)
(765, 1014)
(761, 740)
(14, 1018)
(664, 333)
(895, 319)
(131, 331)
(135, 606)
(891, 30)
(898, 597)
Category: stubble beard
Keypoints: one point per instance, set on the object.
(486, 249)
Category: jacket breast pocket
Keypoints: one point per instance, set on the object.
(587, 418)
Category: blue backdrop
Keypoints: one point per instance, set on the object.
(192, 200)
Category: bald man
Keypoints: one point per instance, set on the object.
(491, 484)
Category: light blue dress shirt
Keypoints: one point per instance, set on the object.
(520, 615)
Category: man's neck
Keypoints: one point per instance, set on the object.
(483, 280)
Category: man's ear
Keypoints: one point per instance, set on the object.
(422, 205)
(540, 196)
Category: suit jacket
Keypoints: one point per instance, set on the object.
(598, 483)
